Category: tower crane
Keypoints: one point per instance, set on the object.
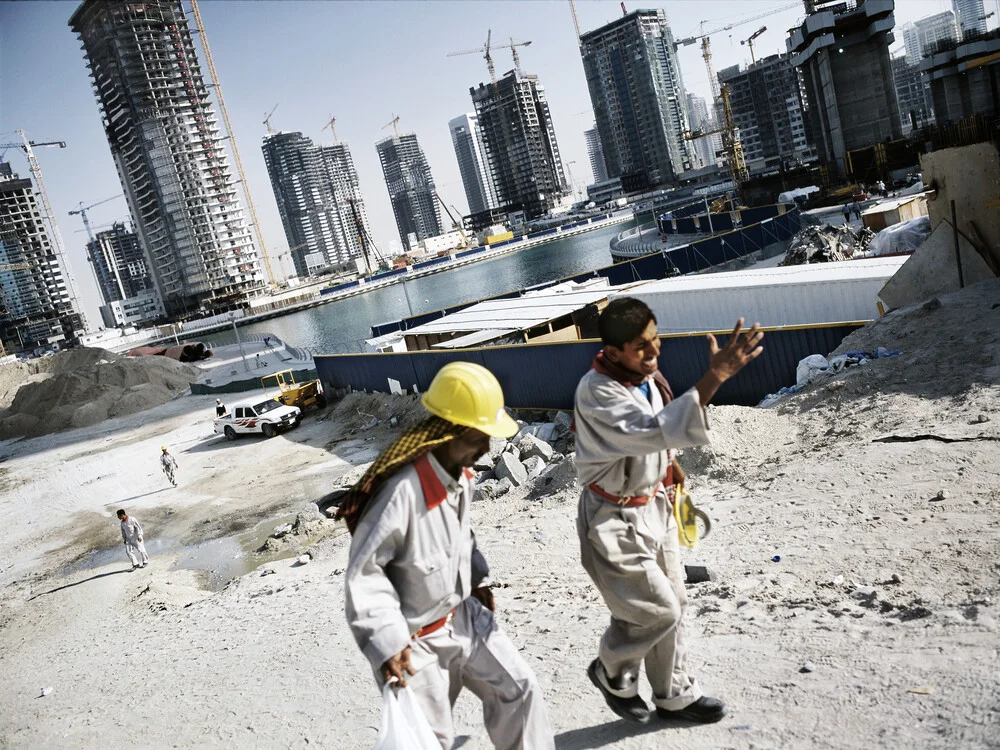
(267, 121)
(730, 142)
(395, 124)
(56, 238)
(232, 142)
(457, 225)
(706, 46)
(485, 52)
(749, 42)
(81, 211)
(333, 130)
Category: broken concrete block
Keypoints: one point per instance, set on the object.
(509, 467)
(533, 465)
(483, 463)
(533, 446)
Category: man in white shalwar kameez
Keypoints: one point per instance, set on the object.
(132, 538)
(627, 424)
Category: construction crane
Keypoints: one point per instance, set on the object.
(749, 42)
(457, 225)
(365, 239)
(81, 211)
(232, 142)
(333, 130)
(706, 46)
(576, 20)
(730, 143)
(485, 52)
(394, 122)
(56, 238)
(267, 121)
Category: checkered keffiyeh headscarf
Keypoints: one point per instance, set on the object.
(407, 448)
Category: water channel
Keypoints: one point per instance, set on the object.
(343, 326)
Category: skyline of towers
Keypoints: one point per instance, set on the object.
(595, 154)
(637, 92)
(167, 147)
(314, 187)
(411, 188)
(36, 307)
(522, 155)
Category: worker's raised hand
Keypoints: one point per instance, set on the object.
(741, 349)
(723, 362)
(398, 666)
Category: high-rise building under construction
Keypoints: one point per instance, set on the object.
(522, 155)
(471, 155)
(36, 308)
(596, 154)
(319, 200)
(639, 100)
(127, 288)
(167, 147)
(411, 188)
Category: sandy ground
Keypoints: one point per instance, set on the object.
(886, 588)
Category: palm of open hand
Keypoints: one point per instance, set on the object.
(742, 348)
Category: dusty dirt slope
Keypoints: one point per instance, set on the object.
(877, 490)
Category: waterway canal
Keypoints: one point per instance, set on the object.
(343, 326)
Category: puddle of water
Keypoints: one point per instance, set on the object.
(220, 559)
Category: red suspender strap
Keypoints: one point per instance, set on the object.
(430, 483)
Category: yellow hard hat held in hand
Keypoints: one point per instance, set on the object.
(468, 394)
(687, 517)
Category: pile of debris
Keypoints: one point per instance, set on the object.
(826, 243)
(530, 454)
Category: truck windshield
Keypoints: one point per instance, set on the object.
(266, 406)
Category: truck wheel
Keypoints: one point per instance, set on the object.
(230, 433)
(268, 430)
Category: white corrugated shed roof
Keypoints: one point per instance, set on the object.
(476, 337)
(895, 203)
(518, 313)
(795, 295)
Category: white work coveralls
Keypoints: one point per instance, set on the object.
(131, 535)
(410, 565)
(632, 554)
(168, 463)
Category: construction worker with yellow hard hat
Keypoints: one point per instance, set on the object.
(416, 593)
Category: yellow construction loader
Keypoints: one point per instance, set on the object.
(290, 393)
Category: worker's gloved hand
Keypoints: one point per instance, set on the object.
(398, 666)
(140, 539)
(485, 596)
(678, 473)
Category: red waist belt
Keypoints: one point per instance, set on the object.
(634, 501)
(436, 625)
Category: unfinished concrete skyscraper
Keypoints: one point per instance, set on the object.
(130, 297)
(411, 188)
(166, 144)
(471, 155)
(639, 100)
(522, 155)
(36, 309)
(842, 50)
(314, 187)
(596, 154)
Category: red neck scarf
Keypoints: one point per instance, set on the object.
(627, 377)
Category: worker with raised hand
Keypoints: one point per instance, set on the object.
(627, 423)
(132, 539)
(414, 590)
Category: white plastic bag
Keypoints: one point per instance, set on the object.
(810, 367)
(404, 726)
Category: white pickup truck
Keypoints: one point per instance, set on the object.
(265, 416)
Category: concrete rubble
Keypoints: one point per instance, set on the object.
(826, 243)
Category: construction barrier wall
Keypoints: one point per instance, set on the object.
(696, 256)
(544, 376)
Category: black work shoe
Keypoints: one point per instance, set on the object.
(632, 709)
(705, 710)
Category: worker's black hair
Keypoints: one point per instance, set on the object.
(121, 512)
(624, 320)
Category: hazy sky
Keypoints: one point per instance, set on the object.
(362, 63)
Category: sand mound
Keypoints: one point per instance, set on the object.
(82, 387)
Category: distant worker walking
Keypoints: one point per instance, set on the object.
(168, 464)
(220, 408)
(627, 422)
(847, 212)
(415, 588)
(132, 538)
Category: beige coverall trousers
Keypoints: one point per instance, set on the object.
(633, 557)
(472, 652)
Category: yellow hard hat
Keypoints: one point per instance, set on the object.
(163, 447)
(469, 395)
